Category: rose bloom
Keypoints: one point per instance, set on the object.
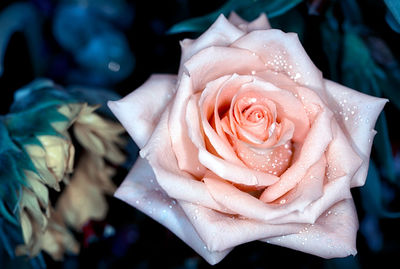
(249, 142)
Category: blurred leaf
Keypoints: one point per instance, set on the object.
(293, 21)
(331, 40)
(10, 236)
(371, 195)
(352, 13)
(22, 17)
(95, 96)
(394, 7)
(12, 161)
(35, 110)
(39, 94)
(391, 21)
(317, 7)
(369, 227)
(26, 125)
(384, 149)
(389, 82)
(391, 85)
(248, 9)
(349, 262)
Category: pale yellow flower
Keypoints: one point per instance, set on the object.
(98, 135)
(58, 239)
(53, 160)
(83, 199)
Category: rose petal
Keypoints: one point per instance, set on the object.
(235, 173)
(218, 94)
(343, 164)
(140, 187)
(332, 236)
(214, 62)
(309, 189)
(284, 53)
(287, 105)
(356, 113)
(221, 33)
(341, 157)
(261, 23)
(221, 231)
(185, 151)
(238, 201)
(176, 183)
(144, 106)
(313, 148)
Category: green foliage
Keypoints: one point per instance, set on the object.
(34, 110)
(371, 195)
(12, 162)
(248, 9)
(349, 262)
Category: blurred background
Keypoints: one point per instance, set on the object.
(104, 49)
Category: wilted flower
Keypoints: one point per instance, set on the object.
(83, 198)
(53, 159)
(98, 135)
(58, 239)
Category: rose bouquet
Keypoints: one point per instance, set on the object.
(249, 142)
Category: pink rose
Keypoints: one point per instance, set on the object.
(249, 142)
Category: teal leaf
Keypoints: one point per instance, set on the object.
(12, 162)
(22, 17)
(383, 149)
(349, 262)
(391, 21)
(391, 85)
(39, 94)
(248, 9)
(10, 236)
(394, 7)
(331, 41)
(292, 21)
(26, 125)
(371, 195)
(95, 96)
(35, 109)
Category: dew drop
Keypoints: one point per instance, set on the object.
(113, 66)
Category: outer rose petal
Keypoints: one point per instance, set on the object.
(356, 113)
(215, 62)
(313, 148)
(343, 162)
(140, 111)
(261, 23)
(283, 52)
(176, 183)
(185, 151)
(220, 33)
(140, 186)
(332, 236)
(221, 231)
